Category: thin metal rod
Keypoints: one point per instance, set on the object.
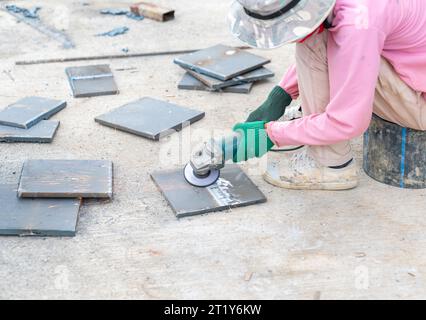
(117, 56)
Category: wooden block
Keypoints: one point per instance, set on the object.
(29, 111)
(42, 132)
(91, 81)
(150, 118)
(66, 179)
(36, 217)
(153, 11)
(233, 189)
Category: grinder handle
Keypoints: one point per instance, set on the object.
(230, 146)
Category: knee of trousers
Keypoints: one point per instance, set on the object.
(313, 49)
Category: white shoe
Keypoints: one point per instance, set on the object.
(300, 171)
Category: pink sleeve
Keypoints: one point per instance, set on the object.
(289, 83)
(354, 64)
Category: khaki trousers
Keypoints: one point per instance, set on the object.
(394, 101)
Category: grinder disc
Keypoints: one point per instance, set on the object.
(198, 181)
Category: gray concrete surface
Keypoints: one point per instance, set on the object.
(366, 243)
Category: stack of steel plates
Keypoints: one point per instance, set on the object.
(222, 68)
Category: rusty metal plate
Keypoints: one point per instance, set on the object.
(221, 62)
(91, 81)
(249, 77)
(36, 217)
(150, 118)
(188, 82)
(29, 111)
(66, 179)
(42, 132)
(233, 189)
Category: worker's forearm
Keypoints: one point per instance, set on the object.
(290, 83)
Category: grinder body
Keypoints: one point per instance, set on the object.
(206, 162)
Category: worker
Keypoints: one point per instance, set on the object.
(353, 58)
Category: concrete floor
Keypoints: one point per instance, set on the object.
(366, 243)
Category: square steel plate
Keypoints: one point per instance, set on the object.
(221, 62)
(233, 189)
(91, 81)
(249, 77)
(188, 82)
(66, 179)
(36, 217)
(29, 111)
(150, 118)
(42, 132)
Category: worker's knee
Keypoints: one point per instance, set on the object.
(313, 49)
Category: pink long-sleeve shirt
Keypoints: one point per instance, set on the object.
(362, 32)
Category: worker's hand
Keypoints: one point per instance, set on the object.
(254, 143)
(273, 108)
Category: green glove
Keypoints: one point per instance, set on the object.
(273, 108)
(254, 143)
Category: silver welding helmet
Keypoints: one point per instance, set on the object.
(268, 24)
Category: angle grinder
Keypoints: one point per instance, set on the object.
(206, 161)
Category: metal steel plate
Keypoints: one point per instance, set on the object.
(42, 132)
(66, 179)
(249, 77)
(36, 217)
(29, 111)
(90, 81)
(150, 118)
(233, 189)
(221, 62)
(188, 82)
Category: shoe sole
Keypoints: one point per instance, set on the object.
(331, 186)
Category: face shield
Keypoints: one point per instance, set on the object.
(268, 24)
